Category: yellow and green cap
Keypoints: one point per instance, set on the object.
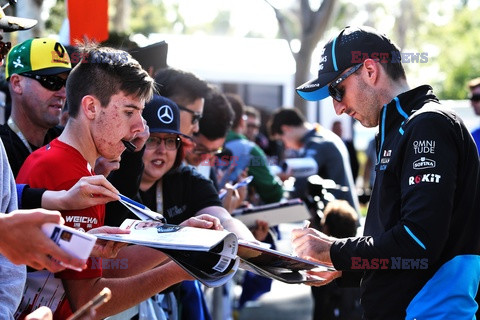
(41, 56)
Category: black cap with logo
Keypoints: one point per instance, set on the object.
(352, 46)
(162, 116)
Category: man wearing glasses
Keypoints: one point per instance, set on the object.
(209, 140)
(419, 256)
(36, 71)
(188, 92)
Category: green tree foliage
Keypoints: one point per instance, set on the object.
(55, 18)
(459, 52)
(149, 16)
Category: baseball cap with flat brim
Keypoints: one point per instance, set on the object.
(40, 56)
(163, 116)
(351, 46)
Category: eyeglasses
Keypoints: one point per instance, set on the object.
(196, 116)
(52, 83)
(253, 126)
(475, 97)
(337, 93)
(171, 143)
(202, 151)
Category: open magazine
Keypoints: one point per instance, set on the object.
(277, 265)
(208, 255)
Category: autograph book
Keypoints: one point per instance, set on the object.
(213, 256)
(277, 265)
(208, 255)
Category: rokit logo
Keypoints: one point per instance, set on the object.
(424, 163)
(428, 178)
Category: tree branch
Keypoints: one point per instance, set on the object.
(282, 25)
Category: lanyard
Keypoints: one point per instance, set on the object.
(159, 197)
(19, 133)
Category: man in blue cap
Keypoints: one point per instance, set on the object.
(419, 256)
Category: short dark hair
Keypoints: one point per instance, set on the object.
(180, 86)
(238, 107)
(285, 116)
(104, 72)
(217, 116)
(394, 70)
(340, 219)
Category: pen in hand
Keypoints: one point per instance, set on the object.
(306, 224)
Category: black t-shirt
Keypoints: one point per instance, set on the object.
(185, 192)
(17, 152)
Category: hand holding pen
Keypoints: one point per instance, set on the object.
(233, 196)
(140, 210)
(241, 183)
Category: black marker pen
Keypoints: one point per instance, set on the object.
(130, 146)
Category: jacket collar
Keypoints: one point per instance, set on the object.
(406, 103)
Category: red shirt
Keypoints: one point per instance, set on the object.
(58, 166)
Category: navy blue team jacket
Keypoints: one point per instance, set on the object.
(419, 257)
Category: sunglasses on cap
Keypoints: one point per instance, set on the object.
(475, 97)
(171, 143)
(337, 93)
(52, 83)
(196, 116)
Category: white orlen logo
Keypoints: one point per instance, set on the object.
(424, 163)
(165, 114)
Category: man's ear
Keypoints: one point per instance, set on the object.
(285, 128)
(372, 69)
(16, 83)
(90, 106)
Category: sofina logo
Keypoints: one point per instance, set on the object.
(165, 114)
(424, 163)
